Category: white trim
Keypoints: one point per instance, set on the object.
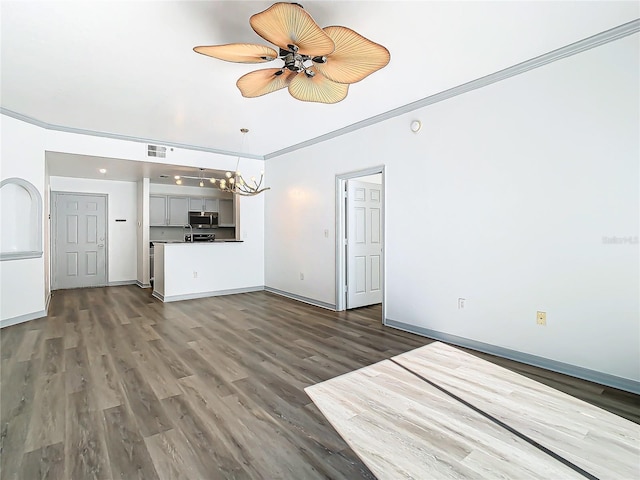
(580, 46)
(142, 285)
(122, 282)
(7, 322)
(300, 298)
(126, 138)
(47, 302)
(601, 378)
(7, 256)
(36, 201)
(193, 296)
(340, 266)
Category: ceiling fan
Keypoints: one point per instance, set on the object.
(319, 63)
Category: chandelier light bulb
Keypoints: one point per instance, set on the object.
(228, 174)
(232, 180)
(179, 182)
(212, 180)
(201, 183)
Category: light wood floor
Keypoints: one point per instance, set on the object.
(437, 412)
(115, 384)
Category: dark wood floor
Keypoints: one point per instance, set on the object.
(115, 384)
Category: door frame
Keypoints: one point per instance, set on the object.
(54, 232)
(341, 217)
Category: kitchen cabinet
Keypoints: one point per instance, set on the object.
(157, 210)
(178, 209)
(203, 204)
(168, 211)
(226, 215)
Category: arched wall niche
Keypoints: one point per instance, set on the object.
(20, 220)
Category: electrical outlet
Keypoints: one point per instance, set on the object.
(326, 233)
(195, 274)
(301, 276)
(461, 302)
(541, 318)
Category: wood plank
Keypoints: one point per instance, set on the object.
(128, 454)
(46, 463)
(85, 448)
(601, 443)
(239, 411)
(47, 422)
(402, 427)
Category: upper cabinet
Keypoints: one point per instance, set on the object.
(226, 215)
(178, 208)
(203, 204)
(173, 211)
(157, 210)
(168, 211)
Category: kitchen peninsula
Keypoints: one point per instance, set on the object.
(185, 270)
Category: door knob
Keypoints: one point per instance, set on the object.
(100, 246)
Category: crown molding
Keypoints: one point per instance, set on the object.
(585, 44)
(588, 43)
(117, 136)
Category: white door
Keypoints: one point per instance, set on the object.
(80, 236)
(364, 244)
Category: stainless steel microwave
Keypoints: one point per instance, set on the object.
(203, 219)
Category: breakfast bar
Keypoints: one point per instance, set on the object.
(185, 270)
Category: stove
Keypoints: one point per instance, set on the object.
(200, 237)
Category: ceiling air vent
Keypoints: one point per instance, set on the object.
(156, 151)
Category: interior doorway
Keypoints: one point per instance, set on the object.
(79, 240)
(360, 259)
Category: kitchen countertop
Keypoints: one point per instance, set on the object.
(222, 240)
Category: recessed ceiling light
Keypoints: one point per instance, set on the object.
(177, 177)
(103, 170)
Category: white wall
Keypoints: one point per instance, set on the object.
(200, 269)
(122, 236)
(502, 198)
(22, 282)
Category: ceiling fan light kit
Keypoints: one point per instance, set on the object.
(318, 64)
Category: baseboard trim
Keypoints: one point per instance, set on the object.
(142, 285)
(601, 378)
(122, 282)
(47, 301)
(216, 293)
(158, 296)
(7, 322)
(310, 301)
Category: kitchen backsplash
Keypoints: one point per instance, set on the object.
(177, 233)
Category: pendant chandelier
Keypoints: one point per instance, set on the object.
(233, 182)
(236, 184)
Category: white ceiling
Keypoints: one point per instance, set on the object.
(127, 67)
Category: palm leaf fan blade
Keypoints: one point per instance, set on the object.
(261, 82)
(239, 52)
(285, 24)
(317, 89)
(354, 58)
